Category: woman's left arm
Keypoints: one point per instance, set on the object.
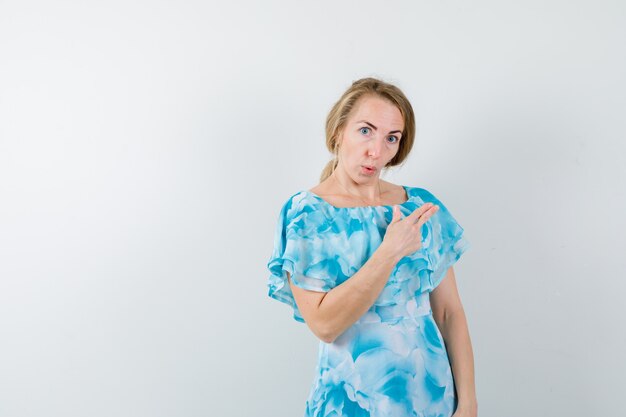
(450, 318)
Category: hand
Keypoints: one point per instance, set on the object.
(404, 235)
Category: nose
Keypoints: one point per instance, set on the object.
(375, 148)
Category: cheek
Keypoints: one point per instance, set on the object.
(353, 148)
(392, 152)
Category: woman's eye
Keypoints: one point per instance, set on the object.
(394, 137)
(365, 133)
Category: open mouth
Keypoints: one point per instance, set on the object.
(368, 169)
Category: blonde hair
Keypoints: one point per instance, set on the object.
(339, 113)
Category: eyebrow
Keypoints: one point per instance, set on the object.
(375, 128)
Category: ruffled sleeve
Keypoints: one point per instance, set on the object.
(302, 247)
(448, 241)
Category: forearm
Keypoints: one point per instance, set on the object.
(455, 332)
(346, 303)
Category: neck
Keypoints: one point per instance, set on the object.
(368, 192)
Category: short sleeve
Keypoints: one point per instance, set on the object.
(301, 247)
(448, 241)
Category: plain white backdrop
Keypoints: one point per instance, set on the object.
(146, 148)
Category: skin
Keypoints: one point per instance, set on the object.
(329, 314)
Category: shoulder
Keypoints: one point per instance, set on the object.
(443, 216)
(293, 204)
(427, 196)
(424, 194)
(301, 213)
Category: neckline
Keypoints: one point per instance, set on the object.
(406, 190)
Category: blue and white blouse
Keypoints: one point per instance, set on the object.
(393, 360)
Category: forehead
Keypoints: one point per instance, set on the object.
(378, 111)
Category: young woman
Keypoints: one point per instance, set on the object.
(367, 265)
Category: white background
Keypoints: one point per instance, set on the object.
(146, 148)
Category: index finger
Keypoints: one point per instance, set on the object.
(418, 212)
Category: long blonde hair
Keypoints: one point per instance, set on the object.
(338, 116)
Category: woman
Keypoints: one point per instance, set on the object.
(367, 265)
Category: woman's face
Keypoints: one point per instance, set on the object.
(370, 138)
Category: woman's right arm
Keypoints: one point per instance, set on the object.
(329, 314)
